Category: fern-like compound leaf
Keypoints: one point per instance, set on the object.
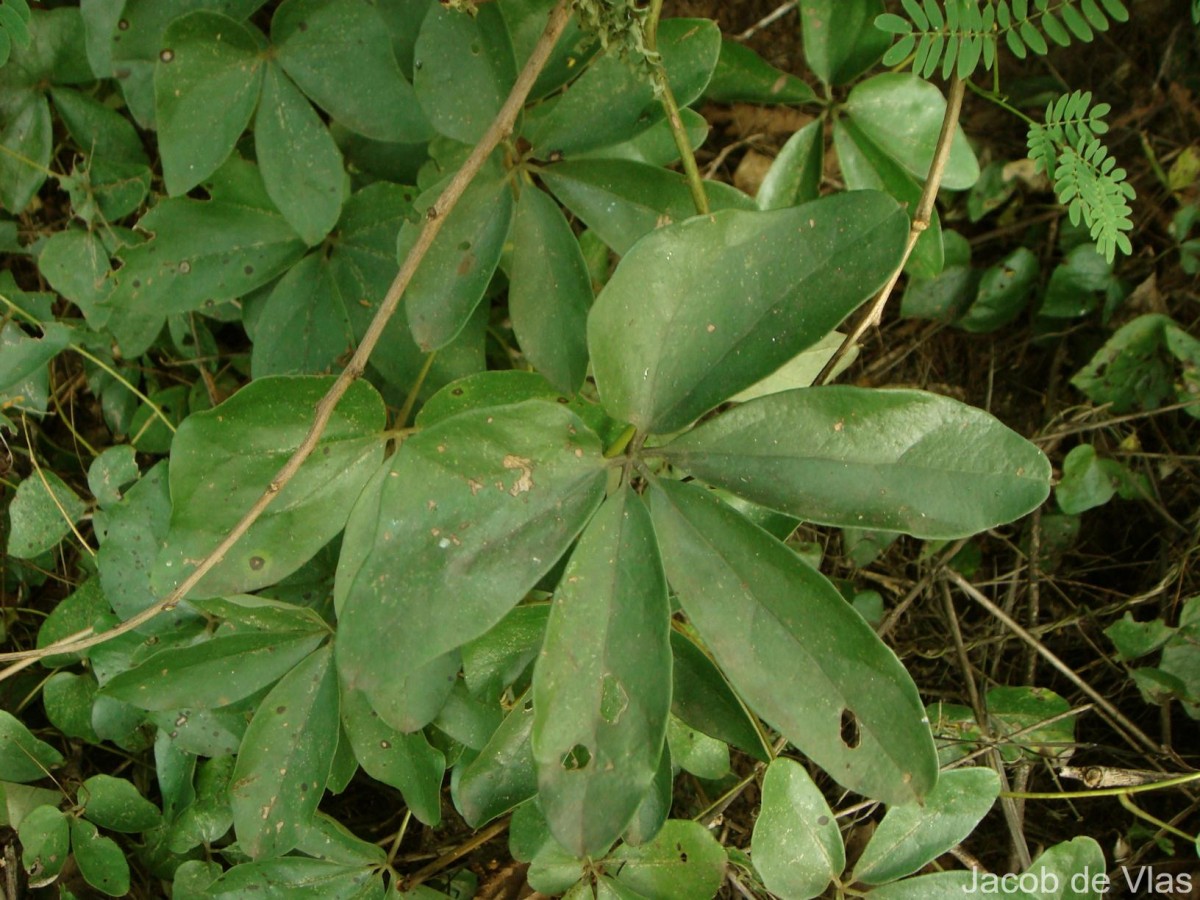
(958, 36)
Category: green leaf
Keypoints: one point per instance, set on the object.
(339, 53)
(550, 291)
(684, 860)
(801, 370)
(100, 859)
(459, 265)
(301, 166)
(316, 313)
(890, 460)
(206, 85)
(696, 753)
(742, 76)
(602, 685)
(1076, 283)
(910, 836)
(1134, 640)
(27, 131)
(1003, 292)
(1086, 482)
(721, 301)
(76, 611)
(405, 761)
(613, 100)
(298, 877)
(795, 175)
(131, 533)
(328, 839)
(68, 699)
(797, 847)
(115, 804)
(76, 264)
(1018, 709)
(938, 886)
(503, 775)
(285, 758)
(412, 700)
(865, 166)
(1068, 871)
(472, 513)
(109, 472)
(304, 327)
(202, 252)
(464, 70)
(483, 389)
(26, 357)
(223, 459)
(1135, 369)
(652, 812)
(42, 512)
(213, 673)
(793, 648)
(98, 130)
(703, 699)
(45, 835)
(622, 200)
(132, 38)
(840, 40)
(903, 115)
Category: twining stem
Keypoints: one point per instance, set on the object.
(922, 216)
(674, 119)
(435, 217)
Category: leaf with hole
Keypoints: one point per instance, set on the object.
(683, 860)
(602, 685)
(793, 647)
(45, 835)
(892, 460)
(700, 310)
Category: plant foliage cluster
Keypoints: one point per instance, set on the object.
(540, 552)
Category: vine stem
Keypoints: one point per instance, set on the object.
(674, 119)
(920, 221)
(499, 129)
